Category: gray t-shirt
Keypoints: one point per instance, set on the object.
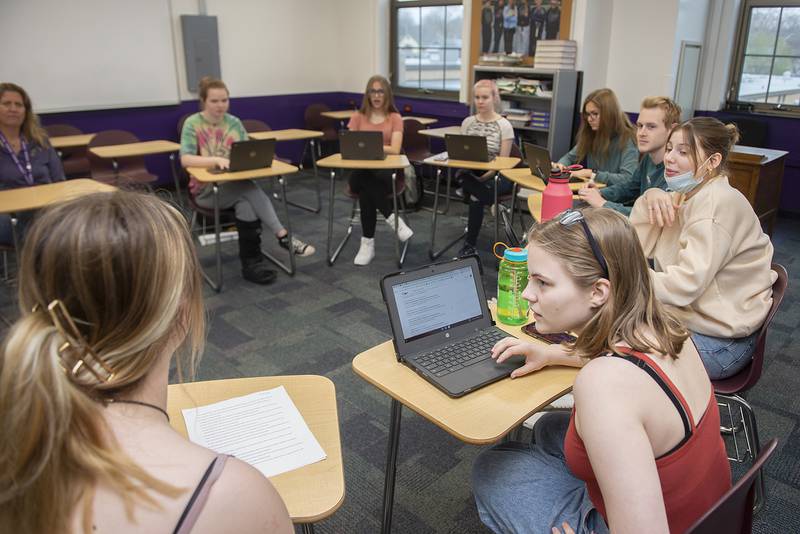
(495, 132)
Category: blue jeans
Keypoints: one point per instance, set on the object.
(527, 487)
(724, 357)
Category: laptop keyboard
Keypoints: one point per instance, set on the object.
(454, 357)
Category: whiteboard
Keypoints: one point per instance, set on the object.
(90, 54)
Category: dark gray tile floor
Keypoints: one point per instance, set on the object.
(318, 320)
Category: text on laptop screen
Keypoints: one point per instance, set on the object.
(436, 303)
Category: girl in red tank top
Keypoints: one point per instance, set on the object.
(641, 451)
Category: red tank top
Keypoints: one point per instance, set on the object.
(694, 475)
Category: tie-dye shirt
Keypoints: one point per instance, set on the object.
(200, 137)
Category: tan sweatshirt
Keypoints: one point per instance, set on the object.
(712, 266)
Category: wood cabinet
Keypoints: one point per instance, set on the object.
(758, 174)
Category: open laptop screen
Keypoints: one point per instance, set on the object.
(437, 303)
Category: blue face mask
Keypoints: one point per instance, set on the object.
(683, 183)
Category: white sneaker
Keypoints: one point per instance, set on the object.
(366, 252)
(403, 231)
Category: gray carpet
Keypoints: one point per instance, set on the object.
(318, 320)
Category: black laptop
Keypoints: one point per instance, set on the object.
(442, 326)
(540, 164)
(361, 145)
(466, 147)
(249, 155)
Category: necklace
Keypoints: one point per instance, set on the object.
(140, 403)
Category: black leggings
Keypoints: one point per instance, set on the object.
(374, 189)
(484, 192)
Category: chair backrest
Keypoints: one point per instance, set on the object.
(102, 167)
(747, 377)
(733, 512)
(180, 123)
(315, 121)
(413, 141)
(255, 125)
(57, 130)
(517, 153)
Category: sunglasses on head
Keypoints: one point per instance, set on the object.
(570, 217)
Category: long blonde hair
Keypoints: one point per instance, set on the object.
(123, 266)
(632, 314)
(31, 129)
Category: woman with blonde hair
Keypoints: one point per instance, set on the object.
(655, 464)
(109, 292)
(206, 140)
(606, 144)
(712, 259)
(374, 188)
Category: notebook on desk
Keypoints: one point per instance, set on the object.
(442, 327)
(249, 155)
(467, 147)
(361, 145)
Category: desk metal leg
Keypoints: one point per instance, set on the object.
(401, 256)
(332, 256)
(115, 166)
(496, 209)
(316, 182)
(308, 528)
(290, 269)
(391, 466)
(175, 178)
(215, 285)
(432, 252)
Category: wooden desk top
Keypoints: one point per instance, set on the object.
(441, 132)
(142, 148)
(751, 154)
(312, 492)
(497, 164)
(339, 115)
(480, 417)
(291, 134)
(392, 161)
(71, 141)
(39, 196)
(278, 168)
(525, 178)
(535, 207)
(425, 121)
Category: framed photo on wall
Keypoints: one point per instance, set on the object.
(507, 27)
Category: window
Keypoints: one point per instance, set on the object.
(426, 46)
(766, 72)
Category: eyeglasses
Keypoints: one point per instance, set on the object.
(591, 114)
(376, 91)
(570, 217)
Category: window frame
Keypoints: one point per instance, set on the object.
(738, 57)
(393, 67)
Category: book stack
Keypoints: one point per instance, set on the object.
(540, 119)
(506, 85)
(554, 55)
(517, 117)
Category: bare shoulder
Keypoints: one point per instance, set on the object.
(243, 500)
(606, 380)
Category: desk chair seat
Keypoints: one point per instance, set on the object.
(730, 391)
(733, 513)
(130, 170)
(74, 160)
(415, 147)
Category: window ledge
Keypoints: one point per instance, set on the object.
(421, 95)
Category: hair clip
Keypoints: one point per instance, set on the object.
(81, 357)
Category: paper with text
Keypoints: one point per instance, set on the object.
(263, 429)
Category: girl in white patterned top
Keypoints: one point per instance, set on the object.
(479, 188)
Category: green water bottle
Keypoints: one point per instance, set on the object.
(512, 279)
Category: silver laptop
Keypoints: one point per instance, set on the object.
(361, 145)
(466, 147)
(442, 326)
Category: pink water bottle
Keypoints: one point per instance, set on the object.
(557, 196)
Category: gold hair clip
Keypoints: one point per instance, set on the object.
(76, 361)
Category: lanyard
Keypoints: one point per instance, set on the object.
(27, 170)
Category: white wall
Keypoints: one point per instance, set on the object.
(273, 47)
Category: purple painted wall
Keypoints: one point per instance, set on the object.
(283, 111)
